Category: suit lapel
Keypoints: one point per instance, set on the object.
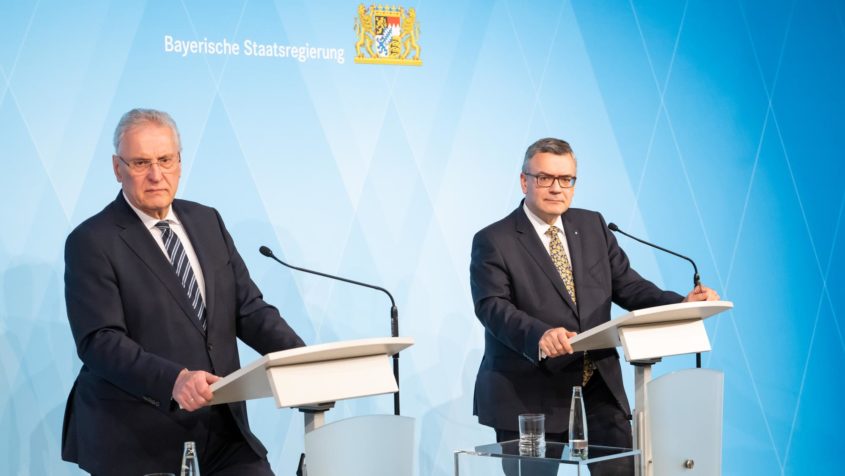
(194, 229)
(527, 236)
(573, 241)
(141, 242)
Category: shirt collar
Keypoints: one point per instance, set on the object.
(150, 221)
(539, 225)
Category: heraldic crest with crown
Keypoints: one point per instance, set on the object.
(387, 35)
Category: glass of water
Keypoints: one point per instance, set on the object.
(532, 434)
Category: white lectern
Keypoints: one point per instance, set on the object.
(316, 374)
(312, 378)
(647, 335)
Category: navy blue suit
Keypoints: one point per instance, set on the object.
(519, 294)
(135, 331)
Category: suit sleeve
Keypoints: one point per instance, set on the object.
(259, 324)
(492, 294)
(96, 316)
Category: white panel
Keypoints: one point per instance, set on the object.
(685, 415)
(375, 445)
(318, 382)
(661, 340)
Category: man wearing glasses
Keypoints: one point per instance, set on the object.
(538, 277)
(156, 297)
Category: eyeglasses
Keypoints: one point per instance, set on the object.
(546, 181)
(139, 166)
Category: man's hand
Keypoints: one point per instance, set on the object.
(555, 342)
(192, 389)
(702, 293)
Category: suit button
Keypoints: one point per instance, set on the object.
(210, 347)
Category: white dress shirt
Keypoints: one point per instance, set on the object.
(176, 226)
(542, 227)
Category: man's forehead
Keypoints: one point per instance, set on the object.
(553, 159)
(148, 134)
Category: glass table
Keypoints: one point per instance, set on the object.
(505, 458)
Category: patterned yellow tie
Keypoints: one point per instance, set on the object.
(561, 262)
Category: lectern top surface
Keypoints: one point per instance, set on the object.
(339, 350)
(251, 381)
(607, 334)
(255, 370)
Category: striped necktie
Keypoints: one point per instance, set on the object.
(182, 266)
(561, 262)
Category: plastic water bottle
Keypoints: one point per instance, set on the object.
(190, 461)
(577, 425)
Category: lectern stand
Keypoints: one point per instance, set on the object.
(312, 378)
(646, 336)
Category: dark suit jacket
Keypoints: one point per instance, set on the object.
(519, 295)
(135, 330)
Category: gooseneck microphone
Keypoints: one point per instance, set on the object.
(696, 279)
(394, 312)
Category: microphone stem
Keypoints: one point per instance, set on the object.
(394, 331)
(352, 281)
(696, 279)
(394, 312)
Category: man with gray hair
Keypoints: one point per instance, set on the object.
(157, 296)
(538, 277)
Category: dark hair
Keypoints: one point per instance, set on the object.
(549, 145)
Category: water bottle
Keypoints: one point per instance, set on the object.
(577, 425)
(190, 461)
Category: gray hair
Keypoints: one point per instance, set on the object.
(549, 145)
(137, 117)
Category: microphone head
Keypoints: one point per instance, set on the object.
(266, 251)
(613, 227)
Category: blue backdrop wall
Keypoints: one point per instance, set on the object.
(714, 128)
